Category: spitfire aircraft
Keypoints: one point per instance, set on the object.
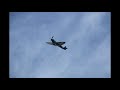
(59, 44)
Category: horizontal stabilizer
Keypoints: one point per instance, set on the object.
(65, 48)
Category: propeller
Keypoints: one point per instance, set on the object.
(52, 37)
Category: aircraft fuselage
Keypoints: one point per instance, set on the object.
(58, 44)
(54, 42)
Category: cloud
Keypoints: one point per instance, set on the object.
(87, 36)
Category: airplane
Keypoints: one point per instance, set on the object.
(59, 44)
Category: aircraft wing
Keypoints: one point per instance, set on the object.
(61, 43)
(49, 43)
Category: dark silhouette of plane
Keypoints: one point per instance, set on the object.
(59, 44)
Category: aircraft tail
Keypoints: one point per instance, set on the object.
(65, 48)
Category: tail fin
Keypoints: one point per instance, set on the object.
(65, 48)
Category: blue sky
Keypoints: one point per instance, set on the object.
(87, 36)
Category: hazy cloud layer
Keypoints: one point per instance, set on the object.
(87, 36)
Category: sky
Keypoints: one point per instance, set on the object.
(87, 36)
